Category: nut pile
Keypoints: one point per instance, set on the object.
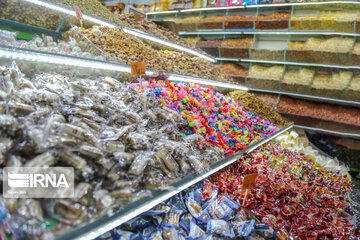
(254, 104)
(347, 115)
(126, 48)
(120, 143)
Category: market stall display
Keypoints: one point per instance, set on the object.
(276, 20)
(218, 118)
(340, 20)
(236, 47)
(235, 71)
(254, 104)
(291, 194)
(125, 48)
(333, 50)
(187, 216)
(239, 21)
(297, 80)
(264, 77)
(121, 144)
(354, 89)
(331, 85)
(212, 22)
(345, 115)
(211, 47)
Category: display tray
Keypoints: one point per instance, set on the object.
(311, 56)
(239, 22)
(215, 22)
(355, 59)
(304, 24)
(186, 27)
(238, 79)
(330, 93)
(322, 24)
(295, 88)
(267, 54)
(344, 58)
(234, 52)
(271, 24)
(312, 121)
(211, 47)
(353, 95)
(105, 223)
(269, 84)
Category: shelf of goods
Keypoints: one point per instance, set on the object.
(90, 119)
(58, 16)
(302, 50)
(67, 99)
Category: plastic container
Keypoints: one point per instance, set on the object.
(264, 77)
(331, 85)
(267, 49)
(277, 20)
(236, 48)
(211, 47)
(213, 22)
(239, 22)
(297, 80)
(236, 72)
(187, 24)
(354, 89)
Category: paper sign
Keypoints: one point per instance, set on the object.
(138, 68)
(78, 12)
(249, 181)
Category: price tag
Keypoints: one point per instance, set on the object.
(138, 68)
(78, 12)
(249, 181)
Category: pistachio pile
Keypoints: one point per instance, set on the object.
(126, 48)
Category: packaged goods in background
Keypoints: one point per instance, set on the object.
(297, 80)
(263, 77)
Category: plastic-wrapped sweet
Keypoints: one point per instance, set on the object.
(300, 143)
(292, 193)
(121, 143)
(176, 219)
